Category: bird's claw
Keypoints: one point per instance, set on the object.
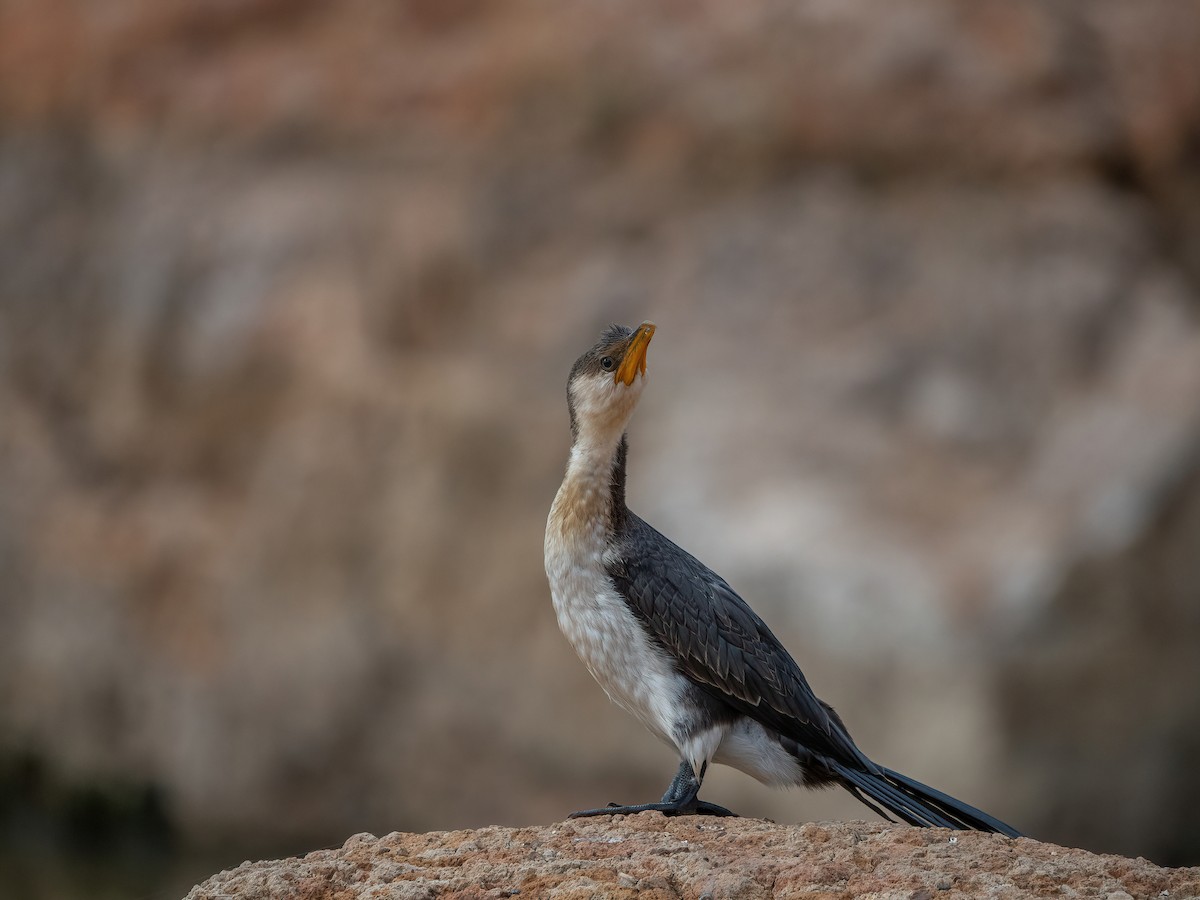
(694, 808)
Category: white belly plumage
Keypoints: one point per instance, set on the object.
(634, 673)
(639, 677)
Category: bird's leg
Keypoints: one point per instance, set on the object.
(680, 783)
(679, 800)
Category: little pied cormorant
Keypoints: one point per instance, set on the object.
(671, 642)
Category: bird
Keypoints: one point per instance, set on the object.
(673, 644)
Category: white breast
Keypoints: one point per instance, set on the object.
(635, 674)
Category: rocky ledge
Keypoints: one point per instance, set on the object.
(654, 857)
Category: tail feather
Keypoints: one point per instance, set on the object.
(971, 817)
(917, 803)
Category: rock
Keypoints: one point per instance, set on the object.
(649, 856)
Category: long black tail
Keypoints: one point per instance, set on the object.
(916, 803)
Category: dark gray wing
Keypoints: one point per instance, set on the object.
(721, 644)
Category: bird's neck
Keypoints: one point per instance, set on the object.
(594, 487)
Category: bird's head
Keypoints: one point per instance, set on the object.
(604, 385)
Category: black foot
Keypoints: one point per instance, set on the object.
(695, 808)
(679, 800)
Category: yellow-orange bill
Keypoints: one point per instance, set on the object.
(635, 354)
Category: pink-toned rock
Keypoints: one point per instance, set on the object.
(651, 857)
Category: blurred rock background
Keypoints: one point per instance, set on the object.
(288, 295)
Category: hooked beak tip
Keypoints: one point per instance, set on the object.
(635, 354)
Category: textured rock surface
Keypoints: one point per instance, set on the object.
(288, 292)
(647, 856)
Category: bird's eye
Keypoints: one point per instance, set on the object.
(606, 363)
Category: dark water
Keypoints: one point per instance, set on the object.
(61, 839)
(50, 875)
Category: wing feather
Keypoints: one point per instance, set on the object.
(721, 644)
